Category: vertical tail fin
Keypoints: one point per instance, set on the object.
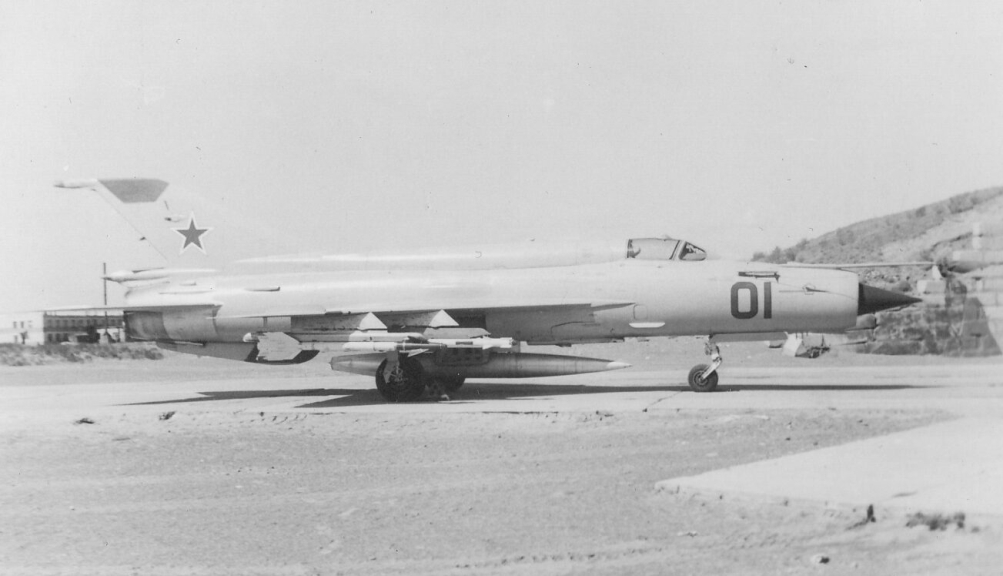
(187, 231)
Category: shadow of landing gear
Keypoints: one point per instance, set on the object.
(487, 391)
(352, 396)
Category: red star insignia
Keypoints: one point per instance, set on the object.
(192, 235)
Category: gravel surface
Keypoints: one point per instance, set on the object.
(276, 481)
(371, 493)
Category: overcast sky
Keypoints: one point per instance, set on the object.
(349, 126)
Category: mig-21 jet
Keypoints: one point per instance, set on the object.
(433, 318)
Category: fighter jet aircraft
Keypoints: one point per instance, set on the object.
(433, 318)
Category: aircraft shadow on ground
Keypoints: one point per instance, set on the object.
(486, 391)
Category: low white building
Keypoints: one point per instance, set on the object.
(23, 328)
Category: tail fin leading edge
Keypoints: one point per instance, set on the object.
(187, 231)
(166, 222)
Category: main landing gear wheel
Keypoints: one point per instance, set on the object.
(700, 384)
(440, 388)
(404, 383)
(452, 384)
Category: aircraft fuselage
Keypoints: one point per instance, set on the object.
(561, 304)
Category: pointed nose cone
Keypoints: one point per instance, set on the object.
(871, 300)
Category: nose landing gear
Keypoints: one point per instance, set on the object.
(703, 377)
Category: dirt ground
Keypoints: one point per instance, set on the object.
(273, 478)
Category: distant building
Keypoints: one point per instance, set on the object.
(26, 328)
(58, 327)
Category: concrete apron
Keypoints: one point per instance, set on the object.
(954, 466)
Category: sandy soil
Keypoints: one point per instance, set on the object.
(230, 484)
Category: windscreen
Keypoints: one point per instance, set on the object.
(664, 249)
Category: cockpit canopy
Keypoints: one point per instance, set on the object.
(664, 249)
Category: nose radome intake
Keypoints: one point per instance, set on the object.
(871, 299)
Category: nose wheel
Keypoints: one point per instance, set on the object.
(703, 377)
(700, 383)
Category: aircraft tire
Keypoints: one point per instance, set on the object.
(452, 384)
(407, 384)
(700, 384)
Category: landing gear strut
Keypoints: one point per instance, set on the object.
(401, 380)
(703, 378)
(441, 387)
(452, 384)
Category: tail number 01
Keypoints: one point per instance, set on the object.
(745, 300)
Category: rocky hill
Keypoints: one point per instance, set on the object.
(957, 316)
(926, 233)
